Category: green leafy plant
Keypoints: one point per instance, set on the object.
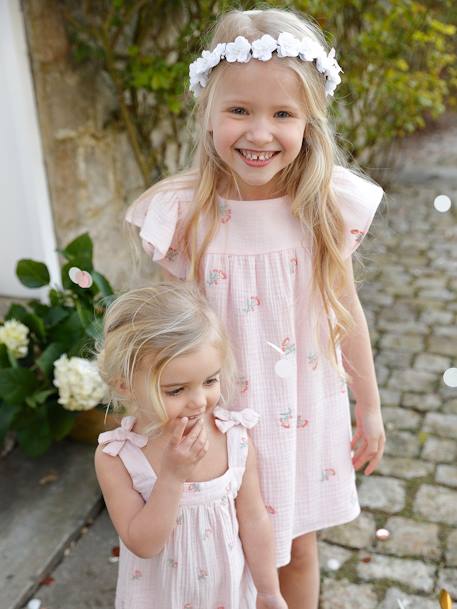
(35, 335)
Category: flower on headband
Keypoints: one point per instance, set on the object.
(262, 48)
(288, 45)
(200, 69)
(310, 49)
(239, 50)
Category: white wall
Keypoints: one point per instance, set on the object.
(26, 227)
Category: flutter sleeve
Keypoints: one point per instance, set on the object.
(358, 199)
(158, 217)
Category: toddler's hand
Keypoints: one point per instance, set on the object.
(369, 438)
(270, 601)
(184, 452)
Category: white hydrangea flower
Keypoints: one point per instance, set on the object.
(13, 334)
(332, 83)
(327, 63)
(239, 50)
(288, 45)
(198, 73)
(263, 48)
(79, 383)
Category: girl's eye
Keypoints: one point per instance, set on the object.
(282, 114)
(240, 111)
(212, 381)
(174, 392)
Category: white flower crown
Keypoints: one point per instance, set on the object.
(242, 51)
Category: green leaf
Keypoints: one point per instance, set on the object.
(86, 317)
(36, 324)
(4, 359)
(32, 274)
(16, 384)
(102, 284)
(16, 311)
(46, 360)
(95, 329)
(68, 332)
(54, 315)
(35, 438)
(79, 252)
(7, 413)
(60, 420)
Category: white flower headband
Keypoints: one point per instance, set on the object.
(242, 51)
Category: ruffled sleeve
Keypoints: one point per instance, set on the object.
(358, 199)
(113, 441)
(158, 217)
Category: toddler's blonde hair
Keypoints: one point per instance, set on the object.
(161, 323)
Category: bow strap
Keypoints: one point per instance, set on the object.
(226, 419)
(116, 438)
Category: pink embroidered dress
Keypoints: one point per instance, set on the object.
(257, 276)
(202, 565)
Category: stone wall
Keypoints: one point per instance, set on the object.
(91, 171)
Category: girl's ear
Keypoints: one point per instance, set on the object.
(122, 387)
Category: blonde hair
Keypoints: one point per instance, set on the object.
(307, 181)
(160, 323)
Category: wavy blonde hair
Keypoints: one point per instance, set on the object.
(160, 323)
(307, 181)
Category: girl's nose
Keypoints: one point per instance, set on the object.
(259, 132)
(198, 398)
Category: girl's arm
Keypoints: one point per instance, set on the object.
(145, 527)
(256, 535)
(369, 438)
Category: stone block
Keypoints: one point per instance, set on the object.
(342, 594)
(401, 467)
(439, 450)
(412, 573)
(411, 538)
(444, 425)
(382, 493)
(437, 504)
(356, 534)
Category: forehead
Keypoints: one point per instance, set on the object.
(273, 81)
(196, 365)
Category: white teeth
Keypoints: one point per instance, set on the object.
(256, 156)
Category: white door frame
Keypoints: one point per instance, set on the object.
(25, 207)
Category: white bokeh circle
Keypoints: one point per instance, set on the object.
(284, 368)
(442, 203)
(450, 377)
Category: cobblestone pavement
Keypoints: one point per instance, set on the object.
(409, 293)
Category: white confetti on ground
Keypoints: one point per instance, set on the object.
(382, 534)
(442, 203)
(333, 564)
(34, 604)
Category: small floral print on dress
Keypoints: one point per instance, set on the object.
(293, 263)
(285, 418)
(287, 347)
(194, 487)
(137, 574)
(244, 385)
(270, 509)
(251, 304)
(172, 563)
(228, 488)
(327, 473)
(313, 360)
(225, 213)
(343, 388)
(215, 277)
(302, 422)
(224, 500)
(202, 574)
(188, 606)
(179, 520)
(244, 443)
(171, 254)
(359, 235)
(207, 534)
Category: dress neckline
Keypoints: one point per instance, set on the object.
(273, 201)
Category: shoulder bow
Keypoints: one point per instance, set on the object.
(226, 419)
(116, 439)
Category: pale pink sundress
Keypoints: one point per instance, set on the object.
(202, 565)
(257, 276)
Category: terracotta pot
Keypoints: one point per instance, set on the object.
(90, 423)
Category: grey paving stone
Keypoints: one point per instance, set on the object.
(436, 317)
(413, 380)
(411, 538)
(451, 549)
(403, 327)
(441, 345)
(447, 579)
(439, 450)
(408, 344)
(400, 418)
(410, 601)
(85, 579)
(450, 407)
(446, 474)
(382, 493)
(39, 519)
(342, 594)
(328, 552)
(400, 467)
(437, 504)
(359, 533)
(444, 425)
(412, 573)
(395, 359)
(432, 363)
(402, 444)
(420, 401)
(389, 397)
